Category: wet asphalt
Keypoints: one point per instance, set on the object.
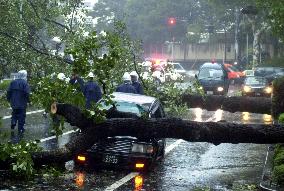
(189, 166)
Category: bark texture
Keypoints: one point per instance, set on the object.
(231, 104)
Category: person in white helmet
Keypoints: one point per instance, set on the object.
(137, 85)
(92, 91)
(76, 80)
(126, 86)
(18, 96)
(61, 76)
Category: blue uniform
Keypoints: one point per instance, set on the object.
(78, 80)
(126, 88)
(92, 93)
(18, 96)
(138, 87)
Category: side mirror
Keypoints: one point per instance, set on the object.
(195, 76)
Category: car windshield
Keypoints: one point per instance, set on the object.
(131, 107)
(178, 67)
(255, 81)
(210, 73)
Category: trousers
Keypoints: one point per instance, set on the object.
(18, 115)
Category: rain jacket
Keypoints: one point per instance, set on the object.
(78, 80)
(126, 88)
(138, 87)
(92, 93)
(18, 94)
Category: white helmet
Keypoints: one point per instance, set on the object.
(126, 77)
(61, 76)
(91, 75)
(134, 73)
(23, 74)
(156, 74)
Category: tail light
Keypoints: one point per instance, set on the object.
(81, 158)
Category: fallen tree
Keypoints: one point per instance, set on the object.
(231, 104)
(213, 132)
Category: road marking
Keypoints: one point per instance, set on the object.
(53, 137)
(27, 113)
(172, 146)
(122, 181)
(131, 175)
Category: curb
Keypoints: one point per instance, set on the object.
(267, 184)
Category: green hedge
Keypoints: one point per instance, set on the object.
(4, 84)
(278, 160)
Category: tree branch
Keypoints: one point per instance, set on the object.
(34, 48)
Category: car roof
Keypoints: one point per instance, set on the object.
(133, 98)
(211, 65)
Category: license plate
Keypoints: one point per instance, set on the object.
(258, 94)
(209, 92)
(110, 159)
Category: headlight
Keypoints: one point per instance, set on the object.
(220, 89)
(200, 87)
(268, 90)
(140, 148)
(247, 89)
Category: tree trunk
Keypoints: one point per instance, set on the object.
(231, 104)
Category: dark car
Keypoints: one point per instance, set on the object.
(268, 72)
(125, 151)
(256, 86)
(213, 78)
(272, 77)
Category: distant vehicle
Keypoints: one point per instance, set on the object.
(213, 78)
(274, 76)
(234, 74)
(178, 68)
(256, 86)
(125, 151)
(266, 71)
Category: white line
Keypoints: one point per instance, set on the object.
(122, 181)
(173, 145)
(131, 175)
(28, 113)
(53, 137)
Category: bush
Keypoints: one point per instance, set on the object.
(279, 158)
(5, 84)
(278, 174)
(281, 118)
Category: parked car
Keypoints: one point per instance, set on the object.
(256, 86)
(213, 78)
(125, 151)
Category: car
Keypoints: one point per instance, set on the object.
(266, 71)
(124, 151)
(256, 86)
(213, 78)
(274, 76)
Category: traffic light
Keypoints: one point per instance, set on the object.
(171, 21)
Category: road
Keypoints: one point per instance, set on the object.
(187, 166)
